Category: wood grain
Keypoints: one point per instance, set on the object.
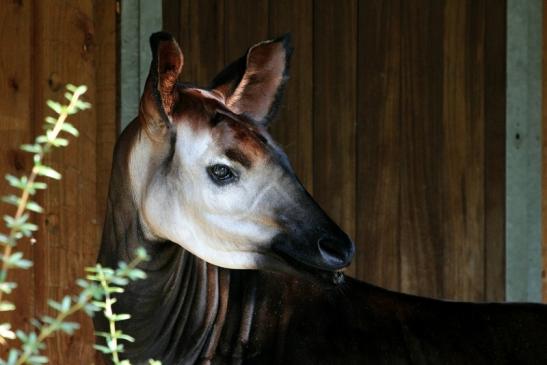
(106, 107)
(378, 144)
(335, 73)
(421, 236)
(16, 127)
(462, 184)
(395, 117)
(67, 241)
(293, 129)
(544, 159)
(494, 146)
(246, 23)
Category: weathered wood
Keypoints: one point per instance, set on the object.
(246, 23)
(378, 144)
(334, 108)
(408, 126)
(421, 237)
(106, 104)
(293, 129)
(544, 157)
(462, 183)
(67, 241)
(494, 146)
(16, 127)
(106, 107)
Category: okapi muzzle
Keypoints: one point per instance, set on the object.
(207, 175)
(311, 239)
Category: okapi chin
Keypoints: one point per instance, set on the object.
(246, 267)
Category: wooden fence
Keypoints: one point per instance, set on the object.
(394, 120)
(44, 45)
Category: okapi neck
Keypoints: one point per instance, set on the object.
(186, 309)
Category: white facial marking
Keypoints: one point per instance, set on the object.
(230, 226)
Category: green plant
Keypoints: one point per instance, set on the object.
(100, 283)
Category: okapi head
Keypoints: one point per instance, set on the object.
(206, 174)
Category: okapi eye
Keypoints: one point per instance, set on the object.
(221, 174)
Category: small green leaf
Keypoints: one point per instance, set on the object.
(123, 336)
(56, 107)
(7, 240)
(37, 359)
(69, 128)
(82, 105)
(32, 148)
(55, 305)
(16, 182)
(69, 327)
(35, 207)
(7, 287)
(51, 120)
(6, 332)
(60, 142)
(47, 171)
(39, 185)
(65, 305)
(103, 349)
(11, 199)
(142, 254)
(120, 317)
(6, 306)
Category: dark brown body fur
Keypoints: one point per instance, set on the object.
(188, 311)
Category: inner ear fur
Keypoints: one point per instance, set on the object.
(254, 84)
(160, 96)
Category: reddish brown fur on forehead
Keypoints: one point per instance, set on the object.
(234, 133)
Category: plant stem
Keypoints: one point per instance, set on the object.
(46, 331)
(108, 314)
(34, 174)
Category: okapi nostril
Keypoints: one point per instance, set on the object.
(335, 251)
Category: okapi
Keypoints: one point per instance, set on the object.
(245, 266)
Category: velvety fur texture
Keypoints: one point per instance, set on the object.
(291, 304)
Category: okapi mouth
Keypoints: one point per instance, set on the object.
(313, 261)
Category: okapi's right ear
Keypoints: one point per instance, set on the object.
(160, 95)
(253, 85)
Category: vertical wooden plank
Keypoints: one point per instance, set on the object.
(544, 157)
(171, 16)
(494, 146)
(206, 41)
(463, 150)
(421, 238)
(106, 106)
(67, 240)
(106, 77)
(378, 143)
(293, 129)
(246, 23)
(176, 20)
(335, 55)
(16, 102)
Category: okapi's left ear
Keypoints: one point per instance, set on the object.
(253, 85)
(160, 94)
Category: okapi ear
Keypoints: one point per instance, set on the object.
(160, 94)
(253, 85)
